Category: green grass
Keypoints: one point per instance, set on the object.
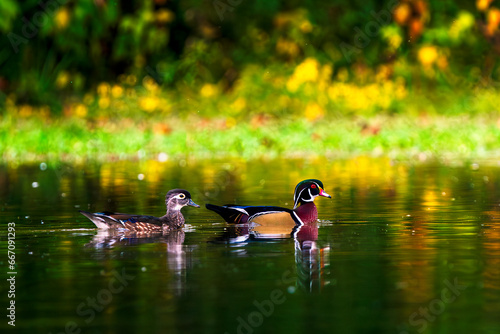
(71, 139)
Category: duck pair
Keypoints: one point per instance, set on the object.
(304, 211)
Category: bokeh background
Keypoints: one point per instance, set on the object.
(411, 77)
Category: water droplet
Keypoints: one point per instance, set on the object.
(291, 289)
(34, 184)
(140, 177)
(43, 166)
(143, 269)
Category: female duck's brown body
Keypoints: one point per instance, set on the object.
(175, 200)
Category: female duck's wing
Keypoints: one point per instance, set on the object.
(108, 219)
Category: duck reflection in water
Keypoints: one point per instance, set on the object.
(249, 223)
(311, 260)
(179, 257)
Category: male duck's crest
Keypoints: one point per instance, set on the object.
(304, 210)
(307, 191)
(175, 200)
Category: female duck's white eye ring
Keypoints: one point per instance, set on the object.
(182, 196)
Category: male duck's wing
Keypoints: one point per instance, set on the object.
(240, 214)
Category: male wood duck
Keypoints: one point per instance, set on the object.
(175, 200)
(274, 217)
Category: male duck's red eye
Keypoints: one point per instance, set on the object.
(313, 186)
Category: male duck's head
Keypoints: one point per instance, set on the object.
(176, 199)
(307, 191)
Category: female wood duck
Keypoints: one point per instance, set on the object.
(175, 200)
(271, 217)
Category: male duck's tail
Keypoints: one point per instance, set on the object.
(231, 214)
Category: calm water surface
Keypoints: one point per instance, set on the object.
(400, 248)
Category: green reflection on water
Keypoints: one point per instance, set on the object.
(392, 239)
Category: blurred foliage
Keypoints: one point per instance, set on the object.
(104, 59)
(35, 139)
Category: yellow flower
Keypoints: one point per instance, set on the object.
(427, 55)
(306, 26)
(493, 19)
(25, 110)
(464, 22)
(307, 71)
(116, 91)
(482, 5)
(239, 104)
(164, 16)
(81, 110)
(282, 19)
(62, 18)
(402, 13)
(293, 84)
(148, 104)
(395, 41)
(150, 84)
(383, 73)
(62, 79)
(314, 112)
(103, 102)
(208, 90)
(103, 89)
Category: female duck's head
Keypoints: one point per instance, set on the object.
(176, 199)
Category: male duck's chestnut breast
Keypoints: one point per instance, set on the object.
(307, 212)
